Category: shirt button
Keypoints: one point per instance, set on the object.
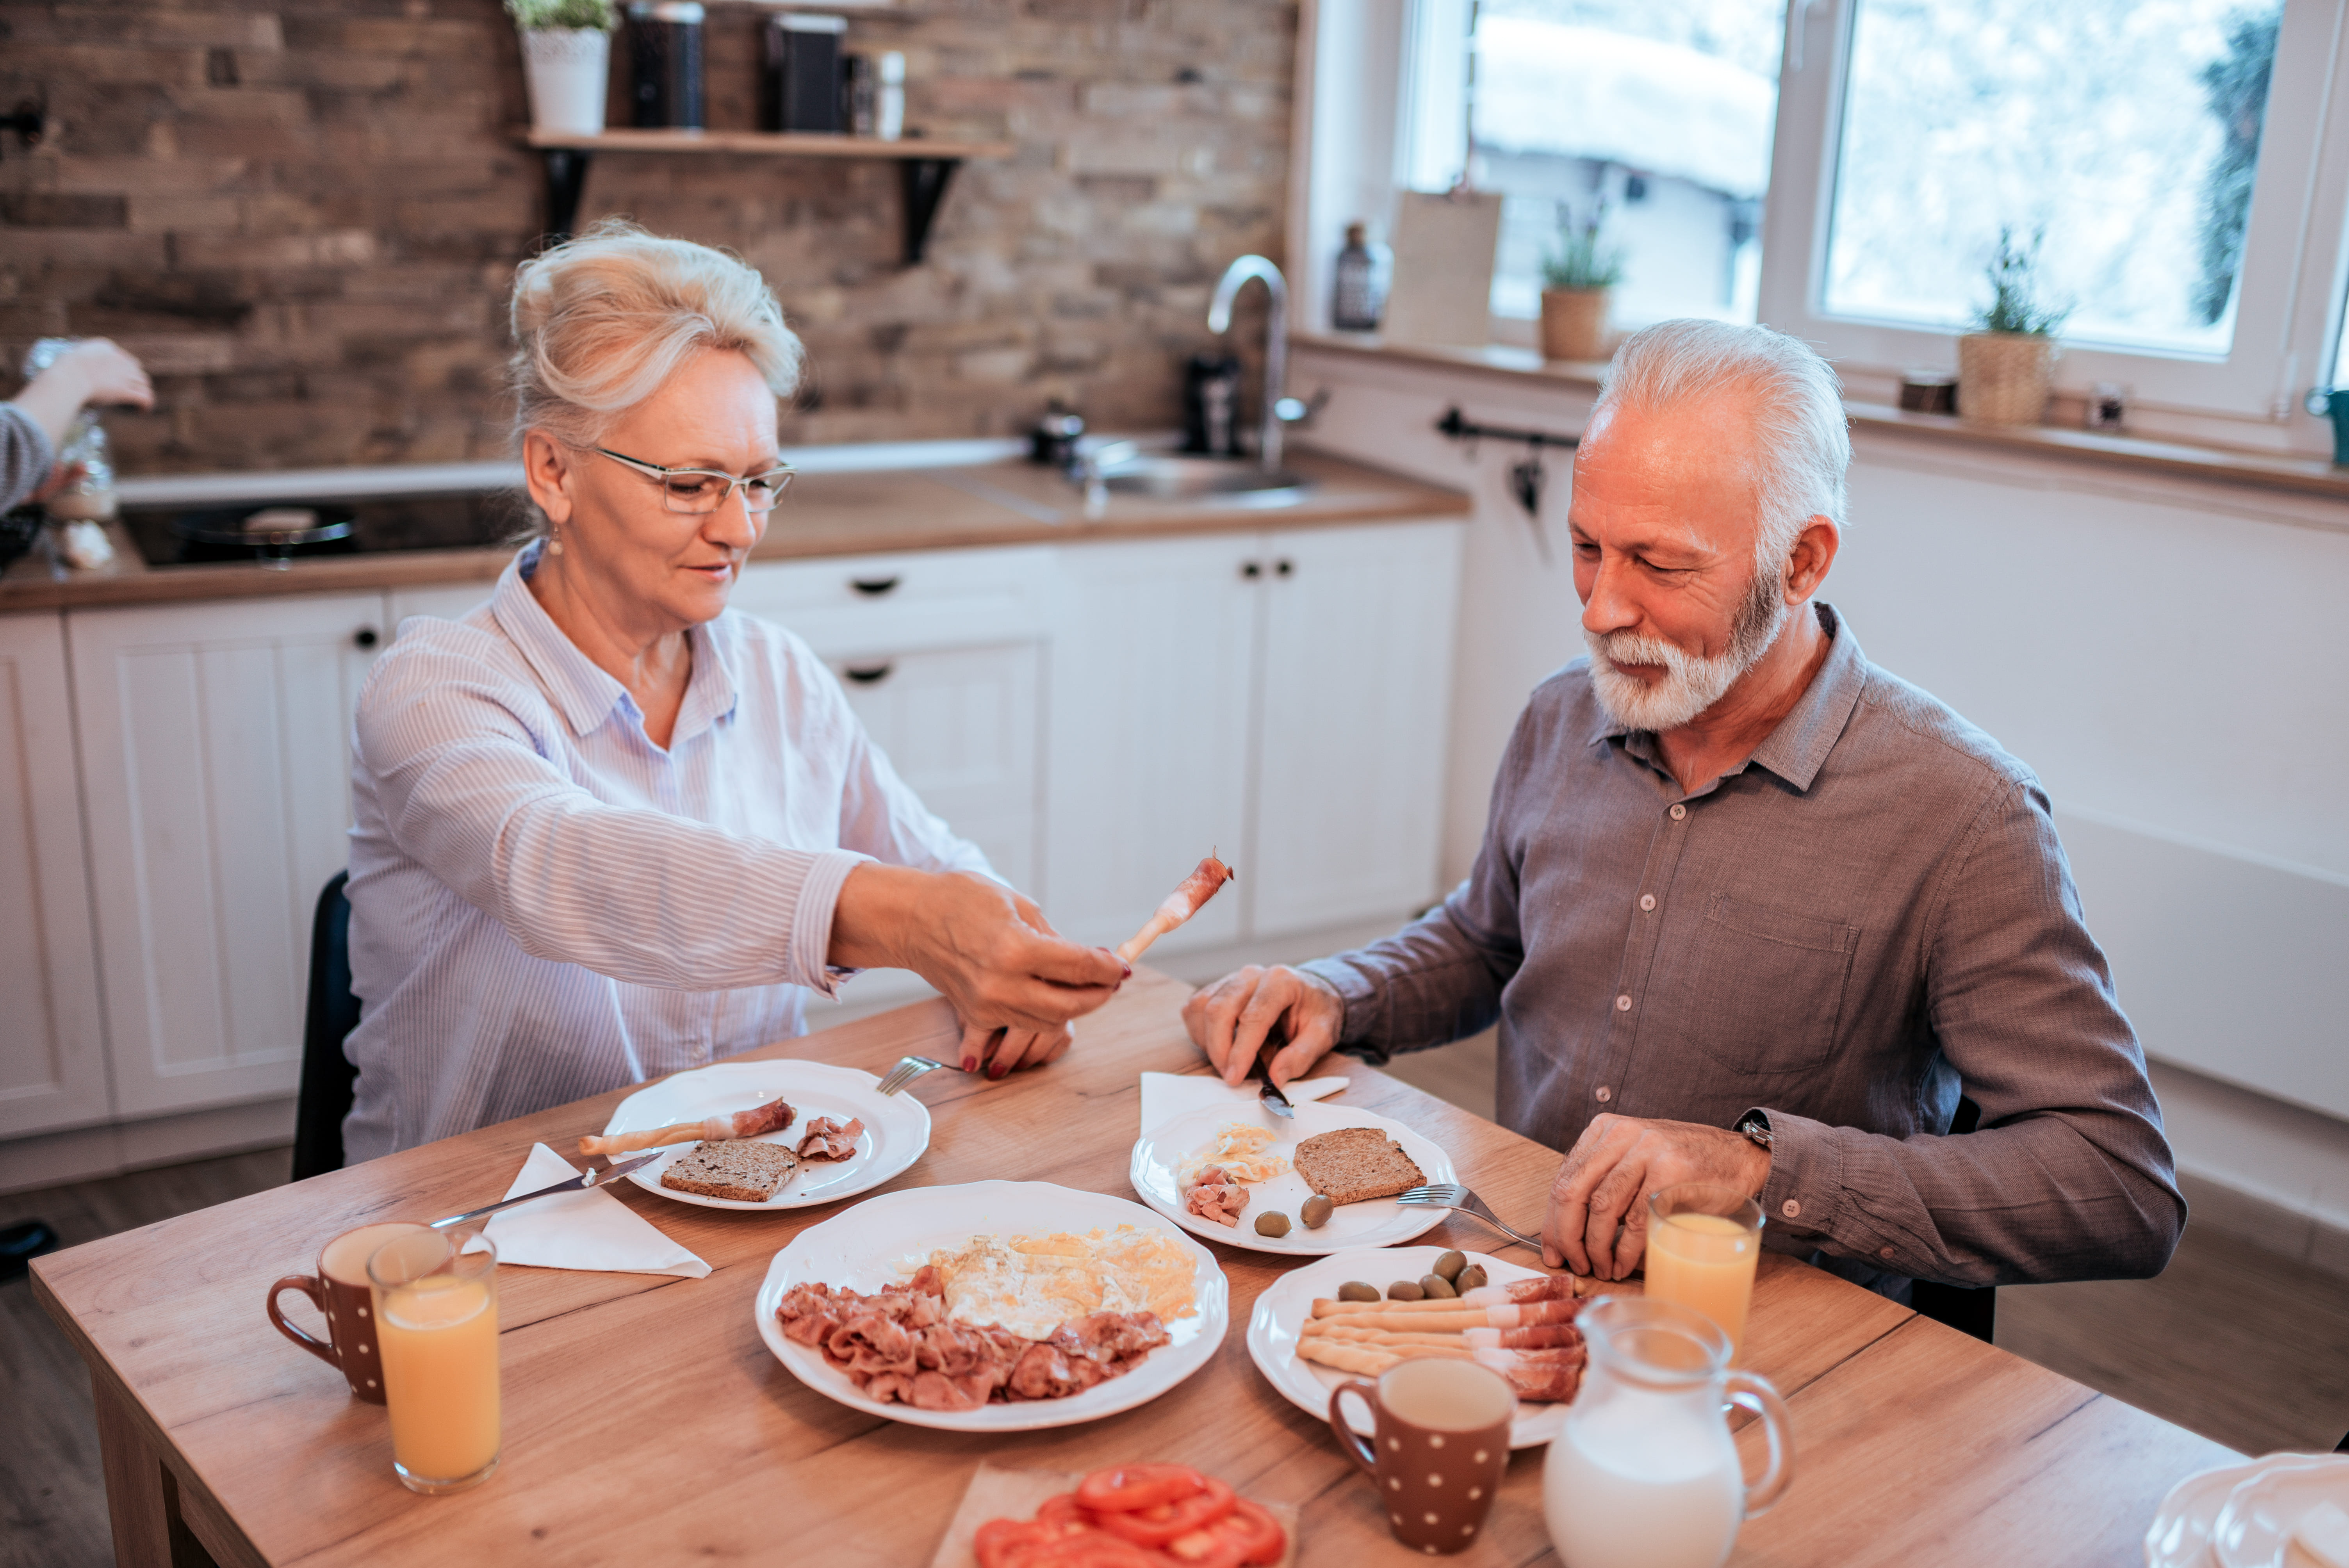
(1790, 1208)
(1622, 1003)
(1884, 1252)
(1605, 1093)
(1678, 812)
(1647, 901)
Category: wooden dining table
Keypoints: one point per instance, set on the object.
(646, 1421)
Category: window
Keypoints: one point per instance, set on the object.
(1843, 170)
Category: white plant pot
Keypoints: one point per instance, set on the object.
(565, 69)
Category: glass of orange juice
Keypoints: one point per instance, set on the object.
(436, 1315)
(1702, 1244)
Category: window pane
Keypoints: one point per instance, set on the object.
(1661, 111)
(2125, 133)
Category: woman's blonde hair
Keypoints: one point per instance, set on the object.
(602, 321)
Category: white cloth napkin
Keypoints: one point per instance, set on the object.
(1166, 1095)
(590, 1230)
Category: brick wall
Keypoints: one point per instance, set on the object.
(303, 216)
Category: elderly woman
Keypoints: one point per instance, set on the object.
(607, 828)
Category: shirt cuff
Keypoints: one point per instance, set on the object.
(810, 939)
(1804, 1196)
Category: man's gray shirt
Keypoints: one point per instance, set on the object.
(1870, 914)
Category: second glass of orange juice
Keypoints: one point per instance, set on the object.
(1702, 1244)
(436, 1313)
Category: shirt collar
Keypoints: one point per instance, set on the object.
(587, 693)
(1797, 748)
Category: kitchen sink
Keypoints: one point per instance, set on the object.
(1231, 480)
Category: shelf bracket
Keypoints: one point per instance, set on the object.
(925, 181)
(566, 180)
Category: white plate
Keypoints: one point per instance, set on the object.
(1281, 1310)
(2179, 1536)
(896, 1127)
(1381, 1222)
(2254, 1529)
(861, 1247)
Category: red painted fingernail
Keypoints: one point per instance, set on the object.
(998, 1070)
(970, 1064)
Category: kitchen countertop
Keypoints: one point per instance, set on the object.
(823, 514)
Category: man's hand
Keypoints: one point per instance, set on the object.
(999, 1051)
(1611, 1169)
(990, 951)
(1232, 1018)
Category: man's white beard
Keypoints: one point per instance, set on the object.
(1691, 683)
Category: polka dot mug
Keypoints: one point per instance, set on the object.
(1439, 1446)
(340, 1291)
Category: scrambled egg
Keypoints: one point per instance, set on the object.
(1239, 1148)
(1032, 1284)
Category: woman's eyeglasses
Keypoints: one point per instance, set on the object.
(699, 491)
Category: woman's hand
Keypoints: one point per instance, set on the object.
(1232, 1018)
(999, 1051)
(989, 951)
(96, 371)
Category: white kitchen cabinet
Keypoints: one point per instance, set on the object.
(52, 1046)
(445, 600)
(215, 754)
(1356, 680)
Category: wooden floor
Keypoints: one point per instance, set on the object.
(2234, 1341)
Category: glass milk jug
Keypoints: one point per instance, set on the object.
(1645, 1474)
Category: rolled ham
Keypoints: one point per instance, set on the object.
(1542, 1287)
(1185, 900)
(1540, 1336)
(1547, 1380)
(772, 1117)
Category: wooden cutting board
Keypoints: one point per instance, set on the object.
(995, 1494)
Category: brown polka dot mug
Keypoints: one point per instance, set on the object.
(1439, 1445)
(339, 1290)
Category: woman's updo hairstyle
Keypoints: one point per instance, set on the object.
(602, 321)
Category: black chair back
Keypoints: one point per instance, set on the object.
(1968, 1309)
(327, 1074)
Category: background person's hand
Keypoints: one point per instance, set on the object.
(989, 951)
(1000, 1051)
(1598, 1218)
(1231, 1019)
(106, 374)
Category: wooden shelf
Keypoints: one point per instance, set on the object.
(925, 166)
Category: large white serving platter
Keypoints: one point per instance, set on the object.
(896, 1127)
(1381, 1222)
(861, 1249)
(1281, 1310)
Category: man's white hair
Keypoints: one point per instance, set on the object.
(1802, 446)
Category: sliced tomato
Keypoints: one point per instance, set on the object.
(1087, 1548)
(1131, 1488)
(1005, 1542)
(1203, 1549)
(1160, 1525)
(1064, 1510)
(1253, 1531)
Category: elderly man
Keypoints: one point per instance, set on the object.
(1752, 911)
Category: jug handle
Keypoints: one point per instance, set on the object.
(1358, 1448)
(1756, 1393)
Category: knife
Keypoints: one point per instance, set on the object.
(584, 1181)
(1274, 1100)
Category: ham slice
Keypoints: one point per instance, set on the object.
(1188, 898)
(828, 1139)
(1217, 1195)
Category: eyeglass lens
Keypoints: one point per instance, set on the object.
(688, 490)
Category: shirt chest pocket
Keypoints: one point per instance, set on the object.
(1759, 991)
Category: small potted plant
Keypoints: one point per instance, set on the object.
(2006, 367)
(566, 46)
(1578, 278)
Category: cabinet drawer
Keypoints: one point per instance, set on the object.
(877, 604)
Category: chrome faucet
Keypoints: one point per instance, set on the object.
(1278, 409)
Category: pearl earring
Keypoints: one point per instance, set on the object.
(554, 538)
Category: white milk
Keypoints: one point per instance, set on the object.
(1644, 1481)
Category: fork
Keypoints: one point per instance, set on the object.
(907, 1070)
(1453, 1195)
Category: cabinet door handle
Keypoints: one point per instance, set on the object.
(874, 587)
(1252, 569)
(364, 638)
(870, 675)
(1285, 569)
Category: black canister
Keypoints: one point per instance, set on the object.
(665, 40)
(802, 75)
(1211, 405)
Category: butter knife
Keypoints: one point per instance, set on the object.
(587, 1180)
(1274, 1100)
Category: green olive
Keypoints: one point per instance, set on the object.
(1272, 1223)
(1471, 1278)
(1450, 1264)
(1316, 1212)
(1435, 1288)
(1356, 1289)
(1404, 1289)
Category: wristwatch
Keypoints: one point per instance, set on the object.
(1755, 1126)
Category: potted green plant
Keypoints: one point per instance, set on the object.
(2006, 367)
(566, 46)
(1578, 278)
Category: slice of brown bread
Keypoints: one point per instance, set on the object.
(742, 1168)
(1355, 1164)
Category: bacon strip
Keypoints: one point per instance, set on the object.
(1185, 900)
(772, 1117)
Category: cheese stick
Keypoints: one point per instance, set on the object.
(1185, 900)
(1539, 1336)
(1376, 1358)
(1328, 1308)
(1416, 1322)
(1445, 1314)
(772, 1117)
(1332, 1328)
